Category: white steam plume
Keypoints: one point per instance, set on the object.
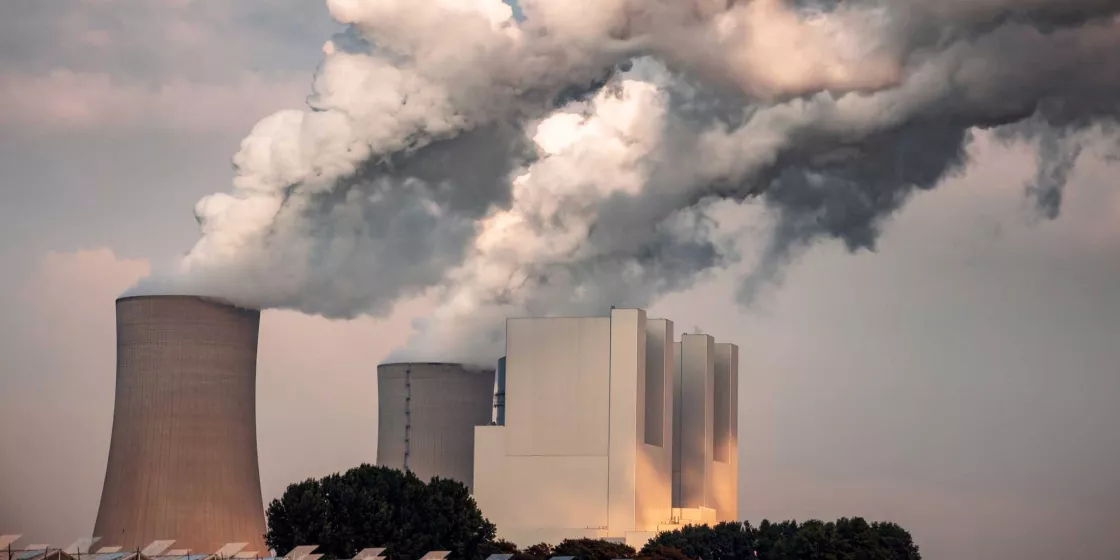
(571, 161)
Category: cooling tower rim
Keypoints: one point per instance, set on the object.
(465, 367)
(207, 299)
(453, 364)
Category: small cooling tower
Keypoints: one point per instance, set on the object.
(426, 417)
(183, 456)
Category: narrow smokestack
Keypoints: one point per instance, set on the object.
(183, 457)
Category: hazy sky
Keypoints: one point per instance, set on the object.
(963, 381)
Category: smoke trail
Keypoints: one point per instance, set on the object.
(571, 160)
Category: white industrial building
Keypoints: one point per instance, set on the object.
(611, 430)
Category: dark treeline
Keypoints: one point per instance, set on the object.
(844, 539)
(376, 506)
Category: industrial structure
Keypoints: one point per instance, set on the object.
(597, 427)
(426, 417)
(706, 442)
(183, 454)
(610, 430)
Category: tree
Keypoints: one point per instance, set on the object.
(661, 552)
(814, 540)
(725, 541)
(500, 546)
(774, 541)
(593, 549)
(377, 506)
(539, 551)
(895, 541)
(845, 539)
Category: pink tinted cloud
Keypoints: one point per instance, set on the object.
(64, 99)
(98, 38)
(173, 31)
(58, 368)
(72, 299)
(1098, 168)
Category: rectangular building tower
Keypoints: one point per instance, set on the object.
(611, 431)
(586, 449)
(706, 440)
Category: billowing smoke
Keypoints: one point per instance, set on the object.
(580, 156)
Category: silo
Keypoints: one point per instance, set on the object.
(183, 455)
(426, 417)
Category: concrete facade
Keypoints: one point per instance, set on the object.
(723, 490)
(692, 446)
(426, 417)
(706, 440)
(612, 431)
(573, 458)
(655, 457)
(592, 444)
(183, 455)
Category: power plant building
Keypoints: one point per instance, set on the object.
(183, 455)
(610, 431)
(426, 417)
(604, 428)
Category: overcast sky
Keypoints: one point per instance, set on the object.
(963, 381)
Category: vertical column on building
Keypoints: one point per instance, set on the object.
(693, 438)
(724, 487)
(627, 378)
(655, 443)
(678, 400)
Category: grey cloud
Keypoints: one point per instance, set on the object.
(388, 232)
(206, 40)
(1066, 80)
(1058, 152)
(833, 138)
(849, 200)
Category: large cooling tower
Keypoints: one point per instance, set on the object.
(183, 456)
(426, 417)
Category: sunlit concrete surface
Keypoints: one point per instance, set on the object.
(723, 488)
(183, 455)
(587, 449)
(706, 447)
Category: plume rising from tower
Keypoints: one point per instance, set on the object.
(574, 154)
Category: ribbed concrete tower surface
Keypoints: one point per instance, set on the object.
(426, 417)
(183, 456)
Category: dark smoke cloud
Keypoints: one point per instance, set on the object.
(573, 160)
